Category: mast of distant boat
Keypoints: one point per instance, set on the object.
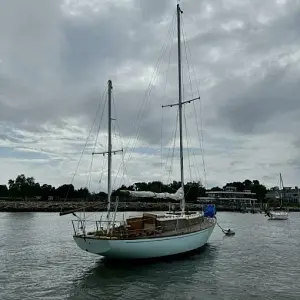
(280, 187)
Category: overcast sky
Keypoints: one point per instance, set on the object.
(56, 58)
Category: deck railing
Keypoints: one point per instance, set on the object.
(87, 226)
(119, 229)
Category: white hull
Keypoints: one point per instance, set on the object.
(278, 215)
(146, 248)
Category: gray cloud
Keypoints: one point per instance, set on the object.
(275, 95)
(68, 60)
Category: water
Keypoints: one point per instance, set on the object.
(39, 260)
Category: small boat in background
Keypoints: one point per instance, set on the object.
(281, 213)
(278, 215)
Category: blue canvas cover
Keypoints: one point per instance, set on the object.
(209, 210)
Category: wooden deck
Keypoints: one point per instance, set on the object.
(125, 234)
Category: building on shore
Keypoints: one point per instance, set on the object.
(230, 197)
(289, 194)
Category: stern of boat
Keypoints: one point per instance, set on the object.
(92, 244)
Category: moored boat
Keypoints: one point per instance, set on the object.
(281, 213)
(149, 235)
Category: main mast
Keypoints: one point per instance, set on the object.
(179, 11)
(109, 149)
(180, 103)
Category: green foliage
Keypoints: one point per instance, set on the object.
(260, 191)
(239, 185)
(4, 191)
(193, 190)
(216, 189)
(26, 187)
(23, 187)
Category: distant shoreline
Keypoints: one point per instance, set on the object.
(55, 206)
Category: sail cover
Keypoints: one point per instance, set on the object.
(146, 194)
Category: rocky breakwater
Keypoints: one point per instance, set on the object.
(56, 206)
(92, 206)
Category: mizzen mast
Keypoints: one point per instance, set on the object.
(109, 150)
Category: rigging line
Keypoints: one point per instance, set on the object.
(195, 165)
(149, 89)
(150, 86)
(122, 164)
(128, 147)
(94, 212)
(170, 148)
(190, 80)
(194, 161)
(98, 130)
(187, 144)
(188, 65)
(134, 143)
(162, 119)
(161, 145)
(201, 122)
(102, 171)
(172, 159)
(187, 137)
(119, 130)
(89, 177)
(194, 158)
(88, 182)
(169, 155)
(84, 147)
(191, 153)
(99, 126)
(169, 60)
(200, 137)
(190, 185)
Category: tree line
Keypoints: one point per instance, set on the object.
(26, 187)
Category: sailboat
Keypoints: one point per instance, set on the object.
(150, 235)
(280, 214)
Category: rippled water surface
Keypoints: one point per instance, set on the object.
(39, 260)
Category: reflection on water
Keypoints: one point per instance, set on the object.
(142, 279)
(40, 260)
